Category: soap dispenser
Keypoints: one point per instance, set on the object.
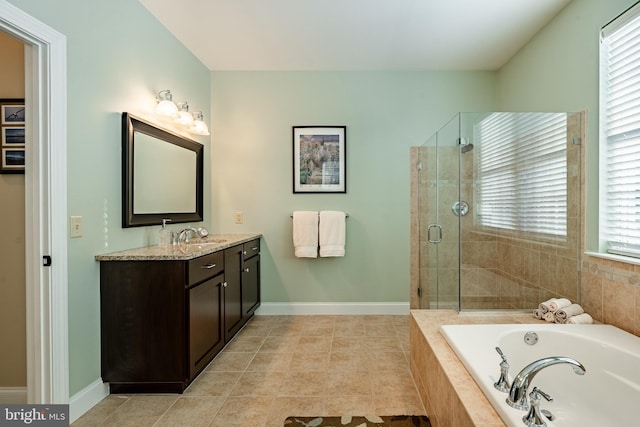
(164, 236)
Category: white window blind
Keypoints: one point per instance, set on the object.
(522, 164)
(620, 134)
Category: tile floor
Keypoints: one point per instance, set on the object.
(280, 366)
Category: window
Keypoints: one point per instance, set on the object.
(620, 135)
(522, 164)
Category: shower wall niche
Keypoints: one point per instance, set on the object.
(496, 220)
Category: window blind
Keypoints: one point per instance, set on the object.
(522, 166)
(620, 135)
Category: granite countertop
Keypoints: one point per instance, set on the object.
(195, 248)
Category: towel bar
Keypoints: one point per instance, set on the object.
(346, 215)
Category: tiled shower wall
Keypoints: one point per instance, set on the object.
(497, 271)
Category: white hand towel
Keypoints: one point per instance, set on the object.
(559, 303)
(580, 319)
(305, 234)
(544, 306)
(564, 313)
(332, 233)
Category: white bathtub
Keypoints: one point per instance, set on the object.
(607, 395)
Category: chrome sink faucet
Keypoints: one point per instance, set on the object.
(518, 392)
(199, 232)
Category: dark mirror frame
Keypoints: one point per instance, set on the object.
(130, 126)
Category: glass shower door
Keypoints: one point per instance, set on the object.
(439, 225)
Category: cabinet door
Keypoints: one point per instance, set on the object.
(232, 291)
(251, 285)
(206, 336)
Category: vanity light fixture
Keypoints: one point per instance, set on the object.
(184, 117)
(199, 126)
(192, 122)
(166, 106)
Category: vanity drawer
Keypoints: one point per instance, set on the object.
(251, 248)
(205, 267)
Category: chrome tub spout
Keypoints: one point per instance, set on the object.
(518, 392)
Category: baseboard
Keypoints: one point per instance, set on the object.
(13, 395)
(87, 398)
(316, 308)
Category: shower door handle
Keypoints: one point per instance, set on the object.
(437, 227)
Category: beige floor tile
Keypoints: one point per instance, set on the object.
(230, 361)
(349, 361)
(191, 412)
(258, 384)
(303, 383)
(267, 361)
(281, 366)
(243, 412)
(211, 383)
(313, 343)
(349, 383)
(335, 406)
(284, 407)
(140, 410)
(309, 361)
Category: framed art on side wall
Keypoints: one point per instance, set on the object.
(12, 134)
(319, 159)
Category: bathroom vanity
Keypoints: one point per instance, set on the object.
(167, 311)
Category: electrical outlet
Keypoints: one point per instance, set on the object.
(76, 226)
(238, 217)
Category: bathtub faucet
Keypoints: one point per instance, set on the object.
(518, 393)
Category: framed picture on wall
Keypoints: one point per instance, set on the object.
(12, 160)
(319, 159)
(12, 135)
(12, 112)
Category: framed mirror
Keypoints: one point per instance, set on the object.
(162, 175)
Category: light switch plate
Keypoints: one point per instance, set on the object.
(76, 226)
(238, 217)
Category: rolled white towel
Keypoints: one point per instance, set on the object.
(537, 313)
(549, 317)
(559, 303)
(580, 319)
(572, 310)
(544, 306)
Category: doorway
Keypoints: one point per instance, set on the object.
(45, 211)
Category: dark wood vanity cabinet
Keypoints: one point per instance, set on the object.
(250, 277)
(163, 321)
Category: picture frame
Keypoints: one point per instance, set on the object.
(13, 113)
(12, 160)
(319, 159)
(12, 135)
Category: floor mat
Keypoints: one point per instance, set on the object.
(368, 421)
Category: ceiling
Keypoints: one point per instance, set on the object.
(354, 34)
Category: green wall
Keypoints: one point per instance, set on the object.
(558, 71)
(118, 57)
(385, 114)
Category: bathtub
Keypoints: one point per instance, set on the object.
(607, 395)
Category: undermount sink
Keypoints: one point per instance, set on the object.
(204, 242)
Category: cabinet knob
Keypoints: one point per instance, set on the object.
(208, 266)
(246, 270)
(224, 284)
(244, 252)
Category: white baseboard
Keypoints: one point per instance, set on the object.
(13, 395)
(87, 398)
(316, 308)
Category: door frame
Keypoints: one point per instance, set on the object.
(45, 204)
